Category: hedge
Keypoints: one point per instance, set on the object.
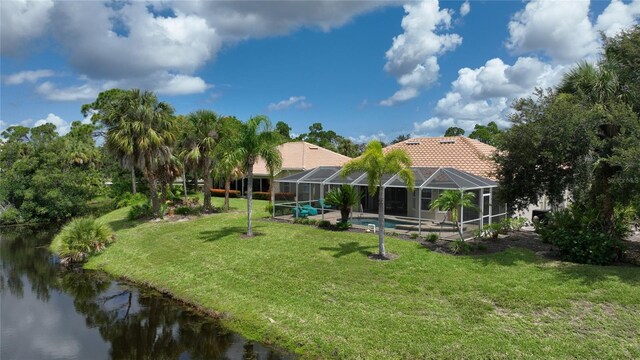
(220, 193)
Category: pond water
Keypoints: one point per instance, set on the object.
(50, 313)
(388, 223)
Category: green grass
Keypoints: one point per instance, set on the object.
(316, 293)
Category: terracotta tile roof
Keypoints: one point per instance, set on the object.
(458, 152)
(302, 155)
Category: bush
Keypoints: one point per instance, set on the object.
(220, 193)
(579, 236)
(269, 208)
(140, 211)
(342, 226)
(413, 235)
(128, 199)
(10, 215)
(81, 238)
(324, 224)
(187, 210)
(432, 238)
(460, 247)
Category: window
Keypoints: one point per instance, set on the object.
(427, 198)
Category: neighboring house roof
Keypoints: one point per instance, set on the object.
(301, 155)
(458, 152)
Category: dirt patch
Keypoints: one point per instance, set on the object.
(378, 257)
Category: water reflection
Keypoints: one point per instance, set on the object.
(47, 312)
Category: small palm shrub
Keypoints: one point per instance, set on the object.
(432, 238)
(342, 226)
(324, 224)
(81, 238)
(460, 247)
(187, 210)
(140, 211)
(343, 198)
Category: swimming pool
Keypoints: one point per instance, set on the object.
(388, 224)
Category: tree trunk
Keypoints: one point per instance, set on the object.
(155, 203)
(227, 189)
(163, 192)
(381, 250)
(273, 195)
(184, 186)
(133, 180)
(344, 214)
(249, 199)
(207, 185)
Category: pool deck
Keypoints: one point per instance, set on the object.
(446, 231)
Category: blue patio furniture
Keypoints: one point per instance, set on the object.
(324, 205)
(310, 209)
(299, 212)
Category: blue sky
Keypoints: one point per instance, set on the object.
(364, 69)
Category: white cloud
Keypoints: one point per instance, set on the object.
(618, 16)
(163, 83)
(62, 126)
(298, 102)
(72, 93)
(413, 56)
(465, 8)
(363, 139)
(484, 94)
(560, 29)
(20, 22)
(27, 76)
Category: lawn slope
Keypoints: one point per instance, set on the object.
(316, 293)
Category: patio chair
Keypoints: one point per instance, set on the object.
(299, 212)
(310, 209)
(324, 205)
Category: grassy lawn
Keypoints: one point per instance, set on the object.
(315, 292)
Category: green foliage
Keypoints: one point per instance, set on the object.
(140, 211)
(188, 210)
(324, 224)
(579, 237)
(128, 199)
(489, 134)
(454, 131)
(10, 216)
(344, 198)
(343, 226)
(81, 238)
(460, 247)
(268, 208)
(328, 139)
(432, 238)
(413, 235)
(47, 177)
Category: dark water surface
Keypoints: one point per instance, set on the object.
(50, 313)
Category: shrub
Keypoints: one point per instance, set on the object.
(220, 193)
(128, 199)
(269, 208)
(324, 224)
(312, 222)
(579, 237)
(413, 236)
(10, 215)
(140, 211)
(432, 238)
(187, 210)
(81, 238)
(460, 247)
(342, 226)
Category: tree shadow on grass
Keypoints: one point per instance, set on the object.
(214, 235)
(562, 271)
(122, 224)
(344, 249)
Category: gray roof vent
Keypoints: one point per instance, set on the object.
(413, 142)
(447, 141)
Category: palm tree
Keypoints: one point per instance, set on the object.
(206, 134)
(144, 134)
(376, 163)
(228, 164)
(453, 200)
(255, 139)
(344, 198)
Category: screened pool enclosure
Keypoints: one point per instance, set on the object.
(408, 211)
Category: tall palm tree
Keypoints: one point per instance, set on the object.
(376, 163)
(144, 133)
(206, 135)
(274, 164)
(228, 164)
(452, 201)
(255, 139)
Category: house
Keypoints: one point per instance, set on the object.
(439, 164)
(297, 156)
